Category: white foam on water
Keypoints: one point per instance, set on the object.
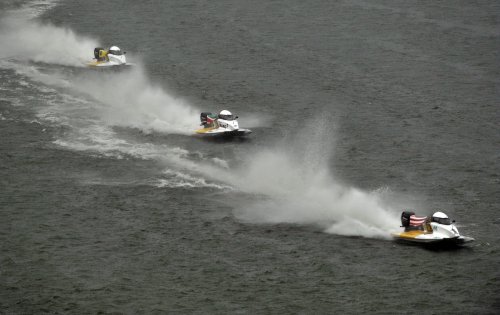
(26, 38)
(126, 99)
(177, 179)
(292, 181)
(42, 42)
(294, 195)
(298, 188)
(32, 72)
(34, 8)
(130, 100)
(220, 162)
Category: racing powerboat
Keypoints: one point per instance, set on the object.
(108, 58)
(436, 230)
(225, 124)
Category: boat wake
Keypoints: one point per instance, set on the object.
(298, 188)
(27, 39)
(291, 183)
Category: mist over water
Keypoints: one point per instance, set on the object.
(131, 100)
(26, 39)
(293, 179)
(358, 111)
(299, 188)
(126, 98)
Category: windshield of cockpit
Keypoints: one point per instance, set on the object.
(226, 117)
(115, 52)
(444, 221)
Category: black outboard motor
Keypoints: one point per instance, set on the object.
(405, 218)
(96, 52)
(203, 118)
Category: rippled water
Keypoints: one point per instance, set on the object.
(358, 109)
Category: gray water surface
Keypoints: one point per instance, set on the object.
(103, 216)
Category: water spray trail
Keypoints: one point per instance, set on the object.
(125, 99)
(294, 183)
(296, 187)
(131, 100)
(25, 39)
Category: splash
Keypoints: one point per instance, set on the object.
(26, 39)
(131, 100)
(293, 194)
(123, 99)
(293, 181)
(296, 186)
(177, 179)
(127, 99)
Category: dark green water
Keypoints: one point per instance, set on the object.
(359, 109)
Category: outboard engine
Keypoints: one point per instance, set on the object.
(96, 52)
(405, 218)
(204, 119)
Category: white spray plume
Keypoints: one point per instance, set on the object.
(30, 40)
(293, 194)
(130, 100)
(296, 187)
(295, 183)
